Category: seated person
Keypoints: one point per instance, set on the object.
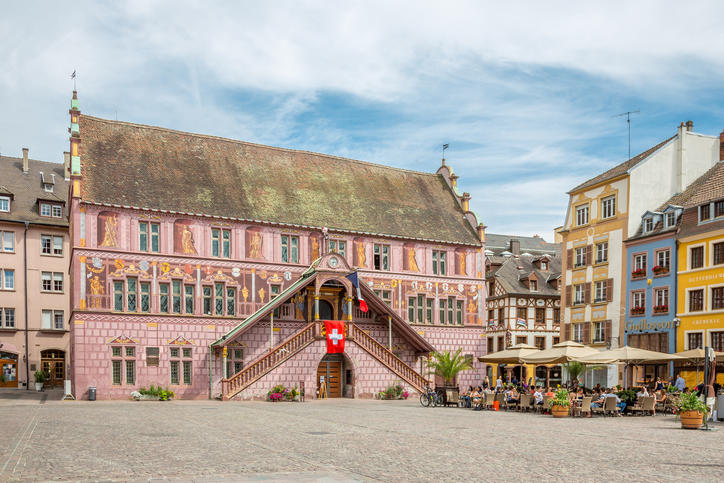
(513, 396)
(619, 404)
(642, 392)
(550, 392)
(465, 397)
(538, 396)
(597, 400)
(476, 397)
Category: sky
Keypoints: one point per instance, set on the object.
(526, 94)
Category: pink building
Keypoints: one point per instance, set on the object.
(206, 265)
(34, 245)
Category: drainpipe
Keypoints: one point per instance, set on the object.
(25, 279)
(211, 374)
(389, 332)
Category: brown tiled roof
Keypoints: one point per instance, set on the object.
(621, 168)
(156, 168)
(514, 269)
(26, 189)
(708, 187)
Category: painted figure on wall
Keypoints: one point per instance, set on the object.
(411, 261)
(109, 224)
(314, 250)
(461, 259)
(255, 245)
(360, 251)
(96, 291)
(187, 241)
(183, 238)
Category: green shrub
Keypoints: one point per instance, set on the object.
(691, 402)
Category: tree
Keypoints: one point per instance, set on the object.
(575, 369)
(447, 365)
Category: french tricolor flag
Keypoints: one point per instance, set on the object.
(355, 281)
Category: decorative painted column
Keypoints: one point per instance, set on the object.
(389, 332)
(82, 284)
(349, 308)
(316, 307)
(224, 355)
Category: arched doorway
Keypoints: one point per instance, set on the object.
(8, 369)
(53, 363)
(326, 311)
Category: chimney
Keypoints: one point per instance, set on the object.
(515, 247)
(66, 165)
(481, 230)
(466, 202)
(454, 180)
(721, 146)
(679, 182)
(689, 126)
(25, 161)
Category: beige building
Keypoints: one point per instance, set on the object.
(34, 284)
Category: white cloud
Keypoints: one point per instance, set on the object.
(522, 91)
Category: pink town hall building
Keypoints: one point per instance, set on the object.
(208, 265)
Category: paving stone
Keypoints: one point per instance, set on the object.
(339, 440)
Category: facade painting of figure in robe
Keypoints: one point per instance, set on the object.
(183, 238)
(107, 229)
(360, 257)
(410, 261)
(254, 244)
(460, 263)
(313, 248)
(97, 291)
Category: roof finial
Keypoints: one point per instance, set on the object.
(444, 147)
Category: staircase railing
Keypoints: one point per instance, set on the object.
(233, 385)
(386, 357)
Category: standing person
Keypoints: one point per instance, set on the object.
(486, 382)
(499, 384)
(680, 383)
(659, 385)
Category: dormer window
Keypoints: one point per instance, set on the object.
(704, 212)
(51, 210)
(543, 265)
(648, 225)
(670, 219)
(719, 209)
(5, 203)
(533, 284)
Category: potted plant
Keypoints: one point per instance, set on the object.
(560, 404)
(638, 273)
(447, 365)
(39, 380)
(691, 409)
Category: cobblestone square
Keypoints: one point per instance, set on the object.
(339, 440)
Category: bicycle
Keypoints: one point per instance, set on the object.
(430, 398)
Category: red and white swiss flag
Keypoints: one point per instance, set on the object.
(335, 336)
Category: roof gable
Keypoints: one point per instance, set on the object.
(623, 168)
(155, 168)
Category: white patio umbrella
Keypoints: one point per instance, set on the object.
(512, 355)
(629, 355)
(561, 353)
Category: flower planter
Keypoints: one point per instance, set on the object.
(559, 411)
(38, 386)
(691, 419)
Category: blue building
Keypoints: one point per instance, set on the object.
(651, 288)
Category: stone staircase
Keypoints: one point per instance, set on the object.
(236, 383)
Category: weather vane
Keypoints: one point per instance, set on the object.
(72, 76)
(444, 147)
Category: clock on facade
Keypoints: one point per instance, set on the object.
(333, 262)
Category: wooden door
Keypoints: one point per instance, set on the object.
(55, 371)
(9, 371)
(331, 373)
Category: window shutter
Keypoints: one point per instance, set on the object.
(569, 259)
(609, 291)
(566, 332)
(587, 333)
(607, 331)
(589, 254)
(587, 293)
(568, 295)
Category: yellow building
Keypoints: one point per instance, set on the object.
(700, 276)
(603, 212)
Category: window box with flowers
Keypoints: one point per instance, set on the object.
(638, 273)
(638, 310)
(661, 309)
(660, 269)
